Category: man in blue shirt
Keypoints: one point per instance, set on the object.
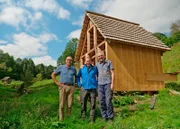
(88, 74)
(105, 86)
(66, 86)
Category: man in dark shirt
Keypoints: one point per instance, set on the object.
(66, 86)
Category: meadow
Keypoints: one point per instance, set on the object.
(39, 110)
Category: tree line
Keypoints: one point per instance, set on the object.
(23, 69)
(174, 34)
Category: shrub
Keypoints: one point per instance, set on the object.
(173, 85)
(126, 100)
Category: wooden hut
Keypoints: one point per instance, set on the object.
(134, 52)
(6, 80)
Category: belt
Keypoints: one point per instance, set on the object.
(68, 84)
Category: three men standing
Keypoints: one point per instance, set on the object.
(105, 71)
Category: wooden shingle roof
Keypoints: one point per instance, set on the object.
(120, 30)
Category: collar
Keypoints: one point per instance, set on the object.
(89, 67)
(105, 61)
(68, 67)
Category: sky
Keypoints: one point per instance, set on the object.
(40, 29)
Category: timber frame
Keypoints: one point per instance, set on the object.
(134, 52)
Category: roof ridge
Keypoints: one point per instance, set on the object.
(111, 17)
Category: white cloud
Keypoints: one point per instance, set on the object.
(14, 16)
(38, 16)
(46, 37)
(25, 45)
(17, 16)
(46, 60)
(74, 34)
(3, 42)
(155, 16)
(63, 14)
(50, 6)
(80, 3)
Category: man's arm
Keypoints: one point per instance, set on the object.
(112, 81)
(53, 76)
(112, 75)
(78, 78)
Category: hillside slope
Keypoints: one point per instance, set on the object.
(171, 59)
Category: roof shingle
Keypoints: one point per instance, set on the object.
(112, 28)
(119, 30)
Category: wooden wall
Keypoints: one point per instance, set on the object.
(131, 64)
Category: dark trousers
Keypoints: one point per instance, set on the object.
(105, 100)
(84, 95)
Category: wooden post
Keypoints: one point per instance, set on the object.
(90, 23)
(88, 41)
(81, 62)
(95, 43)
(84, 44)
(106, 50)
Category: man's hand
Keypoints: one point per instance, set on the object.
(59, 84)
(82, 88)
(82, 66)
(112, 86)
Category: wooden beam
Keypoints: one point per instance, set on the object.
(95, 43)
(90, 23)
(102, 43)
(81, 61)
(88, 41)
(84, 44)
(106, 50)
(88, 52)
(161, 77)
(90, 28)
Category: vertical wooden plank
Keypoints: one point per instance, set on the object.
(153, 69)
(133, 70)
(88, 41)
(106, 50)
(95, 43)
(159, 66)
(142, 67)
(136, 66)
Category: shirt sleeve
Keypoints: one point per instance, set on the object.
(78, 78)
(111, 66)
(58, 70)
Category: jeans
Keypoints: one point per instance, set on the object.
(105, 100)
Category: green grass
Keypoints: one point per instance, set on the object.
(171, 59)
(43, 82)
(39, 110)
